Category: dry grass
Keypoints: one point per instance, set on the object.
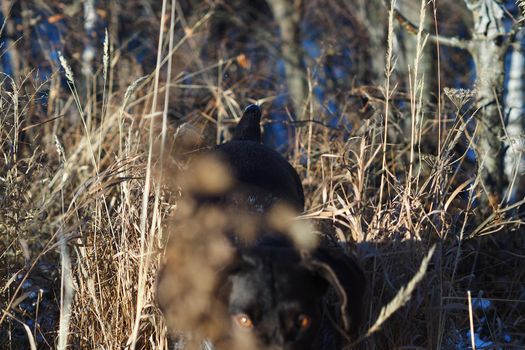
(85, 197)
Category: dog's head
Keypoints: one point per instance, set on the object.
(280, 298)
(262, 295)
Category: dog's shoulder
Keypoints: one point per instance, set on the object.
(256, 165)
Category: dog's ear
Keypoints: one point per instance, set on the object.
(249, 127)
(346, 278)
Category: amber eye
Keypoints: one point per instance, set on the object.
(243, 321)
(304, 321)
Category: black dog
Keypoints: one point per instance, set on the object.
(262, 173)
(276, 295)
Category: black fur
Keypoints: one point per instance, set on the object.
(249, 128)
(258, 170)
(274, 284)
(270, 280)
(262, 172)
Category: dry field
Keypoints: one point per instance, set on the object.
(87, 159)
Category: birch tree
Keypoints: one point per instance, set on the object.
(288, 16)
(89, 53)
(488, 47)
(407, 49)
(514, 162)
(368, 12)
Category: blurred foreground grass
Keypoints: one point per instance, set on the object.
(85, 197)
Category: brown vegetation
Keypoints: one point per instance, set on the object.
(86, 196)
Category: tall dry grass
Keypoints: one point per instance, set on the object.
(84, 201)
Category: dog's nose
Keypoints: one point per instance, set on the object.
(277, 339)
(272, 339)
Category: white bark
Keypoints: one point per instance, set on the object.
(288, 16)
(407, 48)
(490, 68)
(89, 53)
(514, 162)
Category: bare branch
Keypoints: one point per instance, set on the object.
(413, 29)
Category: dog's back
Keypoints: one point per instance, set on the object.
(261, 172)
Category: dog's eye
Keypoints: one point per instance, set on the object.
(304, 321)
(243, 321)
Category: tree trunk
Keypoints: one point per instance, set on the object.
(514, 162)
(288, 15)
(9, 44)
(490, 69)
(407, 50)
(372, 15)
